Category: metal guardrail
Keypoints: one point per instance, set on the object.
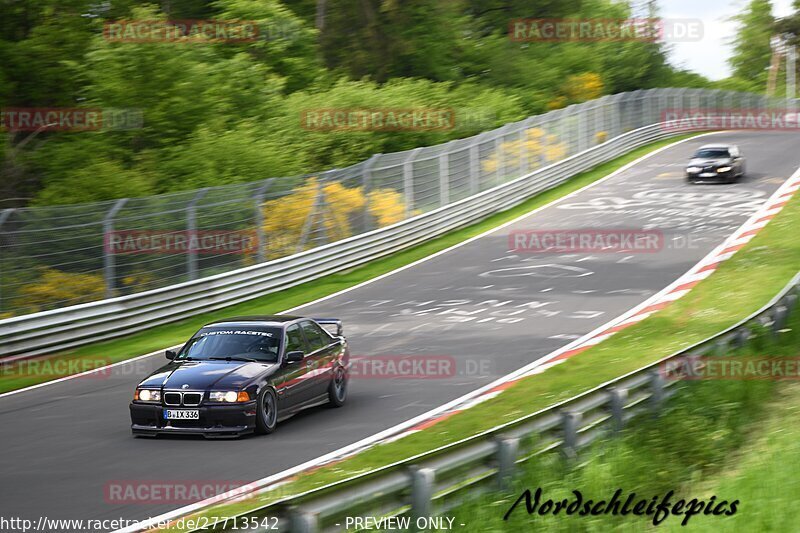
(90, 322)
(434, 482)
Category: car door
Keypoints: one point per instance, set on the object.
(318, 359)
(292, 379)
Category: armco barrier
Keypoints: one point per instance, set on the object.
(72, 326)
(434, 482)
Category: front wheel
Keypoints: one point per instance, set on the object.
(337, 390)
(267, 413)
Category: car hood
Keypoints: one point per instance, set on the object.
(203, 375)
(703, 162)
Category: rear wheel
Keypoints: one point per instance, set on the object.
(337, 390)
(267, 413)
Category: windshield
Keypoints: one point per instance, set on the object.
(712, 153)
(246, 344)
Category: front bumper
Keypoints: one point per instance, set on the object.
(214, 421)
(711, 176)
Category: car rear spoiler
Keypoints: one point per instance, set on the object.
(331, 322)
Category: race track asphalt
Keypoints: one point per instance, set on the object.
(488, 310)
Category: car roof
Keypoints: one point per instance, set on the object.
(709, 146)
(264, 320)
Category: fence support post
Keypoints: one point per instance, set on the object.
(109, 264)
(408, 181)
(308, 225)
(617, 399)
(444, 178)
(474, 166)
(4, 216)
(507, 450)
(500, 168)
(261, 235)
(191, 230)
(366, 185)
(421, 491)
(524, 157)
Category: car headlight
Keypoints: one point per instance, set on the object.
(693, 169)
(147, 395)
(229, 396)
(723, 169)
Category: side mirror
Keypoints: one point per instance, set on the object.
(295, 356)
(171, 355)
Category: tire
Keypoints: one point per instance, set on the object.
(337, 390)
(266, 412)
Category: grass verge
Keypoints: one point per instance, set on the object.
(730, 440)
(58, 365)
(738, 288)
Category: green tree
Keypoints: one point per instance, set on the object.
(751, 44)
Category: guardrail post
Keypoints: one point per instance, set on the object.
(109, 262)
(570, 420)
(791, 302)
(261, 236)
(721, 347)
(742, 336)
(303, 522)
(779, 316)
(617, 399)
(507, 450)
(191, 229)
(421, 491)
(657, 391)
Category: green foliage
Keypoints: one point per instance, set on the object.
(216, 113)
(751, 51)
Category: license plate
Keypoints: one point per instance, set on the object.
(707, 174)
(181, 414)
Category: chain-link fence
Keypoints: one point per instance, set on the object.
(58, 256)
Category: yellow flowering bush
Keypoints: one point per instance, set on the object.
(285, 218)
(55, 287)
(534, 145)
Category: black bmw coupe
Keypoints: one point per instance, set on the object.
(244, 374)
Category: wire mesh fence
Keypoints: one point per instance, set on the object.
(53, 257)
